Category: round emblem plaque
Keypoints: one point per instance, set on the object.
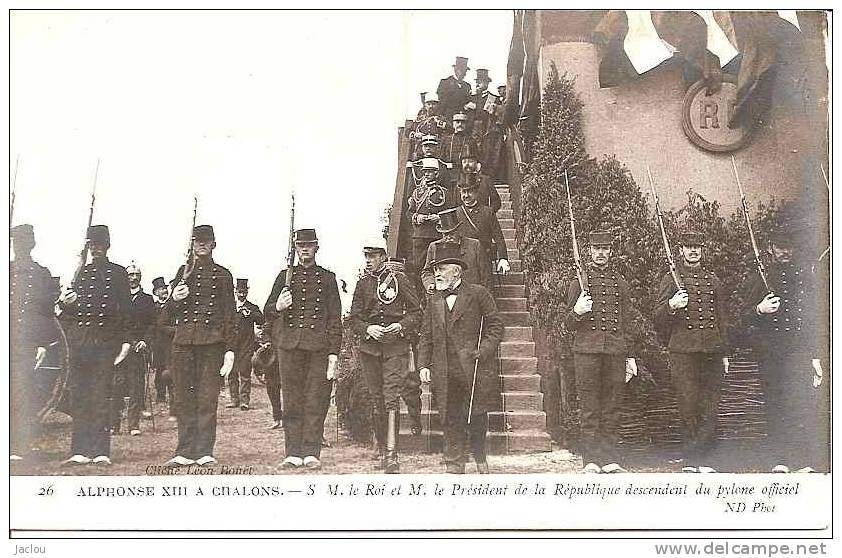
(705, 117)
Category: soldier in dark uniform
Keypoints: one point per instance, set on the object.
(480, 222)
(131, 374)
(428, 198)
(599, 320)
(460, 332)
(695, 320)
(454, 92)
(470, 251)
(162, 342)
(453, 147)
(384, 315)
(95, 312)
(307, 336)
(31, 330)
(790, 343)
(248, 315)
(202, 305)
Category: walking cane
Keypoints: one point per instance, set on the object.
(476, 366)
(149, 387)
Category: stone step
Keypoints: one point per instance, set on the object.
(501, 188)
(509, 291)
(505, 196)
(515, 264)
(516, 420)
(509, 233)
(507, 223)
(517, 333)
(512, 401)
(512, 252)
(511, 304)
(505, 214)
(497, 443)
(521, 382)
(517, 349)
(513, 278)
(516, 318)
(519, 365)
(506, 205)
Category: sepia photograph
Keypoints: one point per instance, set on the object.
(263, 256)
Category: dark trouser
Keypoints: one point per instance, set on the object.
(239, 380)
(273, 390)
(458, 435)
(92, 384)
(696, 379)
(386, 379)
(599, 382)
(129, 382)
(196, 379)
(797, 422)
(411, 392)
(23, 422)
(419, 253)
(306, 400)
(163, 383)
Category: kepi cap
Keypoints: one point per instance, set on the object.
(692, 238)
(600, 238)
(307, 236)
(99, 234)
(204, 233)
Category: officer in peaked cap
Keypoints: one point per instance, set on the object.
(248, 316)
(430, 196)
(95, 313)
(385, 314)
(161, 344)
(453, 91)
(31, 330)
(448, 227)
(456, 145)
(428, 121)
(306, 310)
(600, 319)
(788, 330)
(460, 332)
(204, 345)
(694, 319)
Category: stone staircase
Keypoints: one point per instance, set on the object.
(524, 428)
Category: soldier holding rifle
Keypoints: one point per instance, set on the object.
(202, 306)
(307, 334)
(460, 332)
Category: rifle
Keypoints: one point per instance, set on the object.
(190, 259)
(580, 270)
(14, 188)
(291, 245)
(760, 269)
(83, 255)
(670, 261)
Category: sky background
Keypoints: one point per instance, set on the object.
(235, 107)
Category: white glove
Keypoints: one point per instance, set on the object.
(284, 300)
(503, 266)
(470, 105)
(68, 297)
(393, 328)
(631, 369)
(227, 364)
(180, 292)
(726, 364)
(375, 332)
(769, 304)
(140, 346)
(40, 355)
(818, 374)
(584, 304)
(425, 375)
(331, 366)
(124, 352)
(679, 300)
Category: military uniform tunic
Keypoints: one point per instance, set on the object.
(131, 373)
(427, 200)
(303, 336)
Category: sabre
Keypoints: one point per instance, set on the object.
(580, 270)
(476, 366)
(760, 269)
(670, 261)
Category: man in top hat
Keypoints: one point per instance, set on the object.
(430, 196)
(460, 332)
(265, 360)
(470, 251)
(31, 330)
(385, 314)
(479, 116)
(162, 342)
(790, 340)
(600, 320)
(94, 311)
(694, 319)
(202, 305)
(248, 316)
(480, 222)
(306, 311)
(454, 92)
(471, 171)
(131, 374)
(457, 145)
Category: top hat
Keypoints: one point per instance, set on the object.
(469, 184)
(448, 221)
(461, 62)
(158, 283)
(203, 233)
(306, 236)
(448, 254)
(600, 238)
(22, 232)
(99, 234)
(482, 75)
(692, 238)
(242, 285)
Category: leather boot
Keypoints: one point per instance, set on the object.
(380, 439)
(392, 431)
